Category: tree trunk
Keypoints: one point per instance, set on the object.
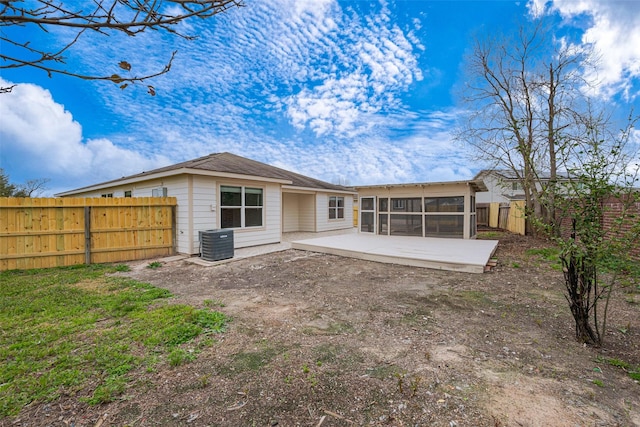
(579, 279)
(550, 215)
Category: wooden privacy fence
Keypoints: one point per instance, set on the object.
(507, 217)
(482, 214)
(52, 232)
(516, 219)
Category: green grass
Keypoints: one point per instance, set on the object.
(67, 329)
(632, 371)
(550, 255)
(490, 235)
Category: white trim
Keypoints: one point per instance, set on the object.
(292, 189)
(173, 172)
(477, 185)
(242, 206)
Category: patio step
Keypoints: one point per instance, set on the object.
(493, 262)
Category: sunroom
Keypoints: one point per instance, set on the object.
(438, 209)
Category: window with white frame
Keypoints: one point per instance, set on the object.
(159, 192)
(336, 207)
(240, 207)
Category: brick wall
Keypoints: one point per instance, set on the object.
(613, 210)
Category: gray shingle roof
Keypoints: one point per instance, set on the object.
(231, 163)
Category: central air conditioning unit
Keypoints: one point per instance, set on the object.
(216, 245)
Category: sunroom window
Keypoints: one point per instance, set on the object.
(444, 216)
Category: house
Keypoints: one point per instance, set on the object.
(219, 191)
(503, 186)
(437, 209)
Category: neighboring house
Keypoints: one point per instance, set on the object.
(223, 190)
(503, 186)
(438, 209)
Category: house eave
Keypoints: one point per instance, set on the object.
(293, 189)
(166, 174)
(477, 185)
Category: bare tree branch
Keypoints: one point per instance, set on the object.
(524, 93)
(131, 17)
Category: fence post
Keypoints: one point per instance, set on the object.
(87, 235)
(174, 230)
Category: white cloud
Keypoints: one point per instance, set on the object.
(308, 65)
(40, 139)
(372, 63)
(614, 30)
(304, 85)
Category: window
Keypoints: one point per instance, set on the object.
(336, 207)
(383, 223)
(107, 195)
(406, 225)
(444, 225)
(444, 216)
(367, 214)
(366, 222)
(406, 205)
(444, 204)
(367, 203)
(159, 192)
(404, 218)
(473, 225)
(240, 207)
(516, 186)
(127, 193)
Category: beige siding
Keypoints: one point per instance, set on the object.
(298, 212)
(204, 213)
(322, 213)
(290, 212)
(306, 212)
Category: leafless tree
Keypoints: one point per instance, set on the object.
(523, 95)
(20, 22)
(32, 188)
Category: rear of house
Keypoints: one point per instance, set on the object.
(224, 191)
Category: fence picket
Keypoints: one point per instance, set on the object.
(50, 232)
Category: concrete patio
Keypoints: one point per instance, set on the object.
(437, 253)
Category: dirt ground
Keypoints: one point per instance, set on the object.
(320, 340)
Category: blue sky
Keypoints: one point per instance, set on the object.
(357, 92)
